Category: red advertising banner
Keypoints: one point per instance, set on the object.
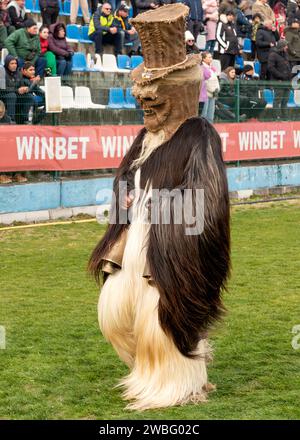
(62, 148)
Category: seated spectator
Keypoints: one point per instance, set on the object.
(256, 22)
(57, 43)
(243, 25)
(292, 35)
(293, 10)
(47, 54)
(25, 45)
(37, 95)
(227, 38)
(280, 71)
(4, 118)
(266, 38)
(211, 18)
(17, 13)
(263, 8)
(49, 11)
(280, 18)
(74, 11)
(195, 19)
(227, 95)
(255, 104)
(129, 34)
(16, 97)
(190, 43)
(6, 27)
(103, 31)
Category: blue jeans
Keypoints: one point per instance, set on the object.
(64, 67)
(40, 65)
(210, 45)
(208, 111)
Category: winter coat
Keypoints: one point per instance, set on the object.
(211, 17)
(13, 80)
(293, 11)
(264, 37)
(226, 86)
(278, 65)
(17, 15)
(226, 36)
(243, 26)
(264, 10)
(44, 45)
(196, 11)
(23, 45)
(143, 5)
(206, 74)
(49, 4)
(292, 36)
(58, 46)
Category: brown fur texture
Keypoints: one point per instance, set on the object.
(190, 271)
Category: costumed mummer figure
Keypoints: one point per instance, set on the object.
(163, 279)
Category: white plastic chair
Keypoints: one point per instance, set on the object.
(98, 63)
(83, 98)
(201, 42)
(217, 65)
(297, 97)
(109, 64)
(67, 97)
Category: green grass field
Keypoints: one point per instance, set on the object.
(57, 365)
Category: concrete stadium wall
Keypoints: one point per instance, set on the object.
(96, 191)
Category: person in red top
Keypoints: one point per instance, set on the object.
(50, 57)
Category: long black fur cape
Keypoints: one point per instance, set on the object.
(190, 271)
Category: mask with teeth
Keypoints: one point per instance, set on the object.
(167, 102)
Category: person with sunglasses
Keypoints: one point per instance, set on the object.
(103, 31)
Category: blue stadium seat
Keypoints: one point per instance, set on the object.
(136, 60)
(123, 62)
(116, 98)
(130, 101)
(257, 67)
(239, 62)
(79, 62)
(36, 9)
(268, 95)
(130, 15)
(85, 35)
(67, 7)
(73, 32)
(291, 103)
(247, 46)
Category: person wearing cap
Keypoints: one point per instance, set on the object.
(25, 45)
(227, 38)
(102, 30)
(190, 43)
(128, 33)
(279, 70)
(17, 13)
(292, 36)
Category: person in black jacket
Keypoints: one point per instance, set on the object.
(293, 10)
(195, 19)
(266, 38)
(280, 71)
(17, 13)
(228, 41)
(49, 11)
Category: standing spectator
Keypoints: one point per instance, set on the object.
(280, 18)
(49, 11)
(262, 7)
(280, 71)
(256, 22)
(293, 10)
(145, 5)
(195, 20)
(227, 38)
(25, 44)
(227, 5)
(93, 5)
(211, 17)
(129, 34)
(243, 25)
(57, 43)
(190, 43)
(209, 89)
(102, 31)
(6, 27)
(74, 11)
(45, 52)
(17, 13)
(292, 35)
(266, 38)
